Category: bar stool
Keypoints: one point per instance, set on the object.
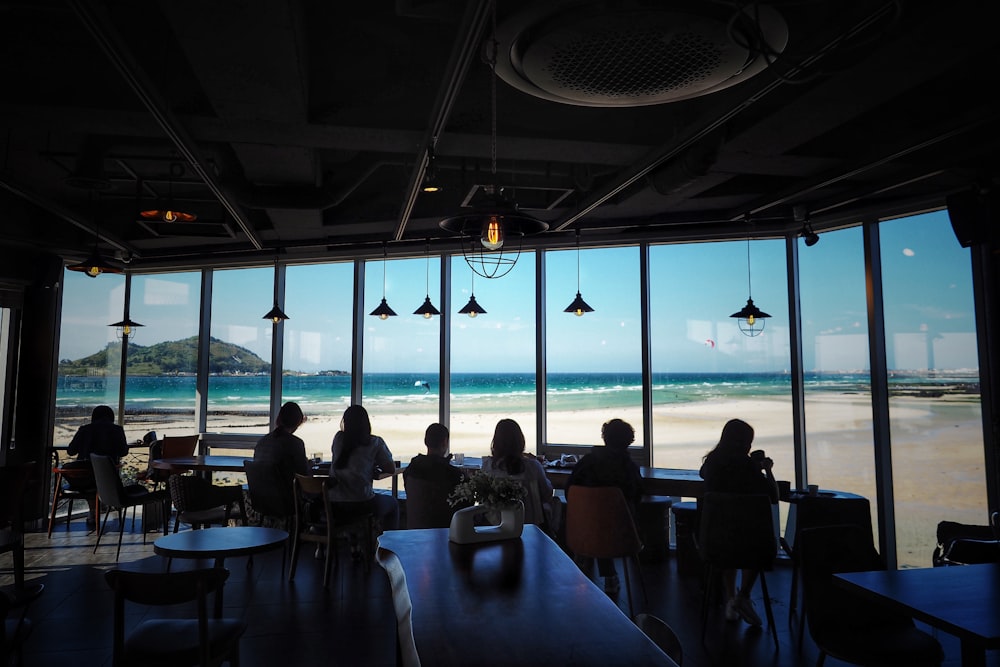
(61, 493)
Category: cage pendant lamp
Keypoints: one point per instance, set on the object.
(125, 328)
(490, 231)
(427, 309)
(383, 311)
(750, 318)
(472, 308)
(95, 264)
(579, 306)
(276, 315)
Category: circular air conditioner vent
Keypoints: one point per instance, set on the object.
(588, 54)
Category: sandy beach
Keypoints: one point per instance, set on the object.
(839, 446)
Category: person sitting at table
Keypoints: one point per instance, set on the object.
(101, 436)
(731, 468)
(282, 448)
(358, 456)
(508, 459)
(435, 476)
(611, 465)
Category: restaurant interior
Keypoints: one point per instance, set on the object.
(791, 144)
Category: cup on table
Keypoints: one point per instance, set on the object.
(813, 490)
(459, 459)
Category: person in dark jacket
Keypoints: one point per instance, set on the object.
(435, 472)
(611, 465)
(101, 436)
(732, 468)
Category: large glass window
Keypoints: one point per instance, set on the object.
(401, 353)
(594, 361)
(935, 414)
(239, 382)
(318, 345)
(160, 391)
(838, 406)
(492, 356)
(705, 371)
(89, 353)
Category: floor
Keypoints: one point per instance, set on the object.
(299, 623)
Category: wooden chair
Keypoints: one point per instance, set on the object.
(169, 447)
(70, 484)
(165, 642)
(600, 525)
(116, 496)
(200, 503)
(842, 624)
(736, 532)
(662, 635)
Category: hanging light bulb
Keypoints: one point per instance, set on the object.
(750, 316)
(472, 308)
(492, 237)
(383, 311)
(579, 306)
(167, 212)
(126, 328)
(95, 264)
(427, 309)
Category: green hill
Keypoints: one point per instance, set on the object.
(168, 358)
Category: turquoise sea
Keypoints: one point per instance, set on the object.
(485, 392)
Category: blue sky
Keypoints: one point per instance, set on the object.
(693, 287)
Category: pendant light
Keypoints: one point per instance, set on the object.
(166, 211)
(427, 309)
(472, 308)
(276, 315)
(495, 221)
(383, 311)
(750, 318)
(126, 328)
(579, 306)
(96, 263)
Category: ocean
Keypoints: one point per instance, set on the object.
(486, 392)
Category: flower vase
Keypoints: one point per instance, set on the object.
(463, 529)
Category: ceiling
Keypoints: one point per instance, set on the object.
(303, 129)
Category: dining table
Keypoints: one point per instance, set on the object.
(323, 468)
(508, 602)
(961, 600)
(207, 463)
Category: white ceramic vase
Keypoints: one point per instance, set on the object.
(463, 529)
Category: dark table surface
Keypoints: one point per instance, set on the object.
(520, 601)
(219, 543)
(206, 463)
(962, 600)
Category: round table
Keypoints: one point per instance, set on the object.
(220, 543)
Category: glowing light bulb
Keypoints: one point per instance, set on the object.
(383, 316)
(126, 330)
(94, 271)
(169, 216)
(492, 236)
(578, 312)
(472, 313)
(751, 319)
(427, 316)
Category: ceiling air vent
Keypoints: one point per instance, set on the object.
(589, 54)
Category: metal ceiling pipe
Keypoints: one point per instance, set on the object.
(96, 21)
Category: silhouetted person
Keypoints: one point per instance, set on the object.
(101, 436)
(436, 476)
(358, 456)
(611, 465)
(730, 468)
(282, 448)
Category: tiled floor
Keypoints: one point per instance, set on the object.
(298, 623)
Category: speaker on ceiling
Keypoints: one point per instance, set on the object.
(973, 217)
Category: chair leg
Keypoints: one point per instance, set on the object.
(122, 515)
(793, 599)
(628, 588)
(100, 529)
(767, 608)
(705, 597)
(55, 503)
(296, 545)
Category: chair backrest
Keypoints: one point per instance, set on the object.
(167, 588)
(662, 635)
(109, 483)
(190, 493)
(270, 495)
(814, 511)
(599, 523)
(172, 446)
(967, 551)
(736, 530)
(828, 550)
(306, 488)
(426, 504)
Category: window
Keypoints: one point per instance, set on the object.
(935, 416)
(594, 361)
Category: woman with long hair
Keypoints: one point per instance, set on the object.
(731, 468)
(358, 456)
(282, 448)
(508, 459)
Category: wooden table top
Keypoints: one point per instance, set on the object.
(209, 463)
(219, 543)
(510, 602)
(962, 600)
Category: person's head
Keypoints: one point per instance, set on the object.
(102, 413)
(736, 438)
(508, 440)
(436, 439)
(355, 423)
(617, 434)
(290, 417)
